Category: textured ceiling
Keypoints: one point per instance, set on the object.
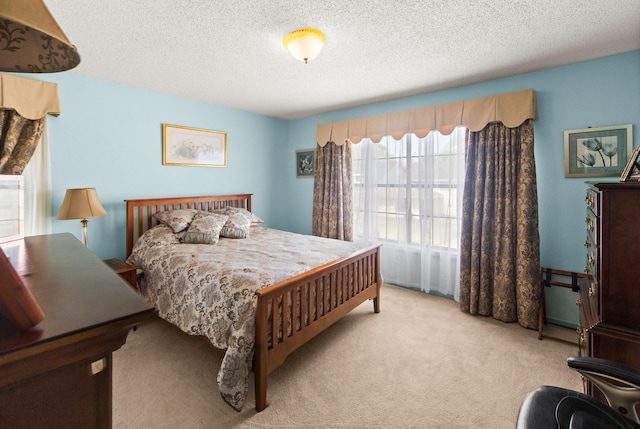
(230, 52)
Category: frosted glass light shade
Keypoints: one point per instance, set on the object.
(304, 44)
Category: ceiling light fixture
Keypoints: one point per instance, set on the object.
(304, 44)
(31, 41)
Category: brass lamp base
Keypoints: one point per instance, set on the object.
(84, 223)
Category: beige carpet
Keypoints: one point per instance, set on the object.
(420, 363)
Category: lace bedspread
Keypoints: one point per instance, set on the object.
(210, 289)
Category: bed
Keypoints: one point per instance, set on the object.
(281, 311)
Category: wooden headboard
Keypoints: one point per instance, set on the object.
(140, 212)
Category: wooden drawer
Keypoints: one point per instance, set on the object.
(588, 303)
(613, 343)
(593, 227)
(592, 243)
(593, 262)
(593, 200)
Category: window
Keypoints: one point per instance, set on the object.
(408, 195)
(11, 208)
(37, 190)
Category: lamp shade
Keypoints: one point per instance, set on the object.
(31, 41)
(304, 44)
(80, 203)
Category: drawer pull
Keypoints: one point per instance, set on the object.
(590, 224)
(591, 201)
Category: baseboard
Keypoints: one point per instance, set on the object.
(551, 320)
(417, 289)
(561, 323)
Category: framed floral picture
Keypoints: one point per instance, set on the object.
(193, 146)
(597, 152)
(305, 163)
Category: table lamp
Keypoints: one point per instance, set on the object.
(82, 203)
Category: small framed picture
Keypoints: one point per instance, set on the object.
(305, 163)
(193, 146)
(631, 172)
(17, 301)
(593, 152)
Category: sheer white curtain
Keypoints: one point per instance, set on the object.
(37, 190)
(408, 196)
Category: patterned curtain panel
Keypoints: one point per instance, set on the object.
(18, 140)
(500, 244)
(333, 193)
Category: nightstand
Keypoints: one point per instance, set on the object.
(126, 271)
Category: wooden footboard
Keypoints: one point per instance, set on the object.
(298, 309)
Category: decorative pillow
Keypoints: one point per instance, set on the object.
(255, 219)
(205, 228)
(237, 225)
(178, 220)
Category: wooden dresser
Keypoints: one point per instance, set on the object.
(610, 296)
(58, 374)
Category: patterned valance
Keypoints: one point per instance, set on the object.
(32, 99)
(512, 109)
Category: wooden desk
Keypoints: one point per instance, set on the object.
(58, 374)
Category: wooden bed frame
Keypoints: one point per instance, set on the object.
(326, 293)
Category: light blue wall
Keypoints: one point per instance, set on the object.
(595, 93)
(109, 136)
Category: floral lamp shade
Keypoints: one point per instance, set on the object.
(31, 41)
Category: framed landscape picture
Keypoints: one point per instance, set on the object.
(193, 146)
(594, 152)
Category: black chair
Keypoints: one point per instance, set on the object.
(556, 407)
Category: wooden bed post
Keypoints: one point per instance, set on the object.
(260, 355)
(378, 274)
